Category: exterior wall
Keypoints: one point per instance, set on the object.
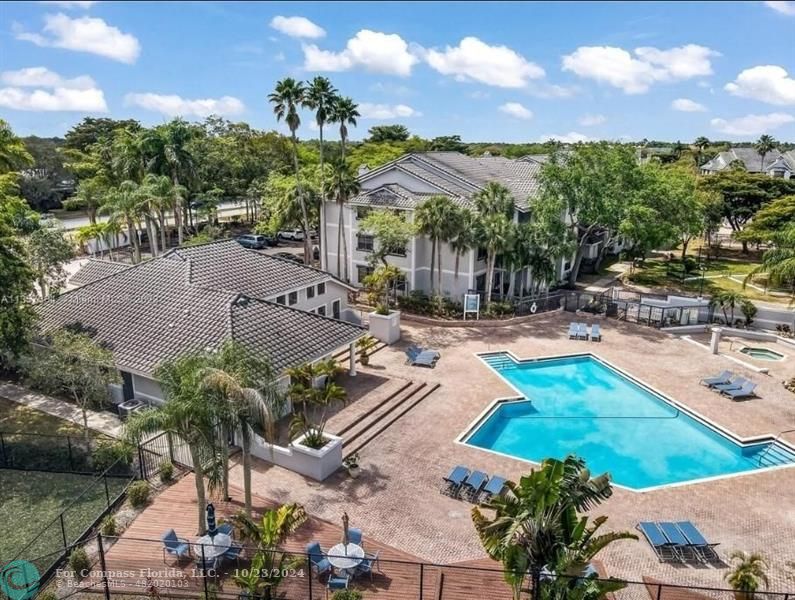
(334, 291)
(147, 389)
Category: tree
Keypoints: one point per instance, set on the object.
(388, 133)
(463, 237)
(494, 227)
(48, 251)
(727, 300)
(778, 263)
(344, 111)
(771, 219)
(536, 525)
(13, 153)
(288, 96)
(701, 143)
(89, 197)
(344, 185)
(123, 206)
(91, 130)
(764, 145)
(748, 573)
(436, 218)
(309, 396)
(320, 97)
(391, 232)
(449, 143)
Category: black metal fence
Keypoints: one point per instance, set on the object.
(134, 567)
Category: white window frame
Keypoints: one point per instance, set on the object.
(310, 292)
(338, 302)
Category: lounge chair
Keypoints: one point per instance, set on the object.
(582, 331)
(426, 358)
(744, 392)
(175, 546)
(703, 549)
(596, 333)
(573, 327)
(493, 488)
(452, 483)
(369, 564)
(662, 547)
(735, 384)
(317, 559)
(473, 485)
(721, 378)
(338, 582)
(678, 540)
(226, 529)
(355, 536)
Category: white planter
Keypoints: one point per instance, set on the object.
(316, 464)
(385, 328)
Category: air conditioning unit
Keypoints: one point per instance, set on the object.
(129, 407)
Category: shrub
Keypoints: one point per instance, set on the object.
(166, 472)
(347, 595)
(138, 493)
(108, 526)
(79, 563)
(749, 311)
(109, 452)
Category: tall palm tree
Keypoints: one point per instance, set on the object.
(123, 206)
(344, 111)
(286, 98)
(727, 300)
(108, 233)
(494, 199)
(89, 196)
(495, 234)
(779, 261)
(435, 218)
(344, 185)
(701, 144)
(764, 145)
(320, 97)
(128, 157)
(463, 237)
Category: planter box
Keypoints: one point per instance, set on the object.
(385, 328)
(316, 464)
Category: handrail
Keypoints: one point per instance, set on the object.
(773, 443)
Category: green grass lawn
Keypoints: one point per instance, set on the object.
(29, 501)
(18, 417)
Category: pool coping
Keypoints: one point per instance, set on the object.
(743, 441)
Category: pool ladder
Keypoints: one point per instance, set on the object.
(784, 455)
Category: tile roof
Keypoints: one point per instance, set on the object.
(750, 158)
(393, 195)
(96, 269)
(154, 311)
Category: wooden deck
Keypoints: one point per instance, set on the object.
(138, 555)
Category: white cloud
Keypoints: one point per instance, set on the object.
(687, 105)
(516, 110)
(636, 74)
(768, 83)
(591, 120)
(785, 7)
(371, 50)
(386, 111)
(479, 95)
(85, 34)
(752, 125)
(572, 137)
(173, 105)
(298, 27)
(474, 60)
(61, 94)
(68, 4)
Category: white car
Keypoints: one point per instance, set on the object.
(292, 234)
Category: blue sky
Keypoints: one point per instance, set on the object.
(485, 70)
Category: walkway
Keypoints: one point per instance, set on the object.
(101, 421)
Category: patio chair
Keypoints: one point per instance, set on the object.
(678, 541)
(452, 483)
(473, 485)
(735, 384)
(493, 488)
(175, 546)
(426, 358)
(369, 564)
(596, 333)
(721, 378)
(317, 559)
(207, 565)
(703, 549)
(573, 327)
(337, 582)
(233, 553)
(355, 536)
(582, 331)
(226, 529)
(745, 391)
(662, 547)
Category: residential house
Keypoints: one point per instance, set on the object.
(776, 162)
(196, 298)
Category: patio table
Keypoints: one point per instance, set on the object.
(213, 546)
(346, 558)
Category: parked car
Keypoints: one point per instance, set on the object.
(289, 256)
(257, 242)
(292, 234)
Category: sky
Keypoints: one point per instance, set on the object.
(487, 71)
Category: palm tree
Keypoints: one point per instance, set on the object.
(85, 234)
(435, 218)
(123, 206)
(89, 196)
(108, 233)
(13, 153)
(494, 199)
(128, 158)
(727, 300)
(764, 145)
(288, 96)
(495, 233)
(344, 111)
(344, 185)
(320, 97)
(779, 261)
(463, 237)
(747, 574)
(701, 144)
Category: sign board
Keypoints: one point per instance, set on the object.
(472, 305)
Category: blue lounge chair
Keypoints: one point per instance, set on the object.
(677, 540)
(573, 330)
(735, 384)
(582, 331)
(427, 358)
(745, 391)
(703, 549)
(368, 565)
(596, 334)
(473, 485)
(226, 529)
(338, 582)
(175, 546)
(493, 488)
(317, 558)
(452, 483)
(721, 378)
(355, 536)
(662, 547)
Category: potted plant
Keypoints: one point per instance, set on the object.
(747, 574)
(365, 345)
(351, 464)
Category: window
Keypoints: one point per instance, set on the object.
(280, 299)
(292, 298)
(481, 254)
(335, 309)
(321, 310)
(362, 212)
(321, 288)
(310, 292)
(362, 272)
(398, 251)
(364, 242)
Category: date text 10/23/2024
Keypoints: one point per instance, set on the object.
(166, 578)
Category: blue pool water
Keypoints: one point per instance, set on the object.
(580, 405)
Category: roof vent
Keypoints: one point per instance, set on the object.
(241, 301)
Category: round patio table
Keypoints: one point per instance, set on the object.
(213, 546)
(346, 558)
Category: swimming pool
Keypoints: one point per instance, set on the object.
(582, 405)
